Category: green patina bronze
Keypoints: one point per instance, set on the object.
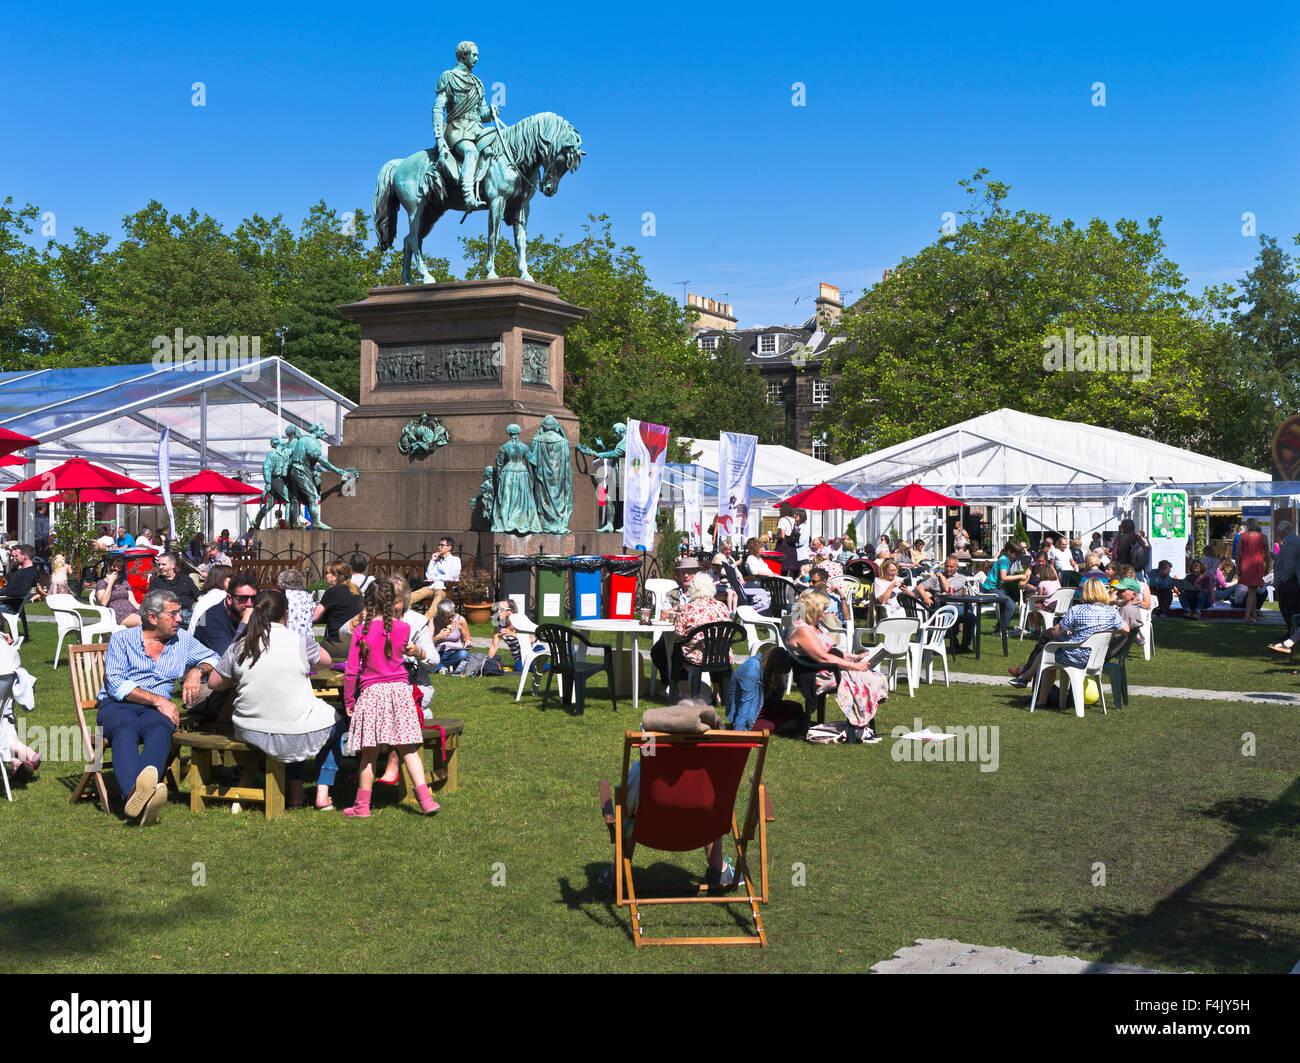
(607, 475)
(553, 476)
(472, 168)
(515, 509)
(420, 438)
(303, 477)
(275, 467)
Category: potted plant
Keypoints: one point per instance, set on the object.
(474, 599)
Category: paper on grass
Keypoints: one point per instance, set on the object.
(927, 736)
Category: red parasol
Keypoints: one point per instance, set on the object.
(11, 441)
(914, 495)
(13, 459)
(824, 496)
(77, 474)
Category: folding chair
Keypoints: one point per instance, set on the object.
(573, 669)
(688, 790)
(69, 618)
(86, 664)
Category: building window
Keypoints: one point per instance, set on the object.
(708, 343)
(767, 345)
(821, 449)
(774, 393)
(821, 392)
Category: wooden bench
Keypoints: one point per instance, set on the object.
(209, 751)
(383, 567)
(266, 570)
(440, 769)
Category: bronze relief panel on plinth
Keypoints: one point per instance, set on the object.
(458, 362)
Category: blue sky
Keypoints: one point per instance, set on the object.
(687, 113)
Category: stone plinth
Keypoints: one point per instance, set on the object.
(478, 355)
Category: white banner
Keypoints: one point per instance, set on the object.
(736, 455)
(691, 506)
(643, 475)
(165, 477)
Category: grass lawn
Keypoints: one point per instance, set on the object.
(1199, 845)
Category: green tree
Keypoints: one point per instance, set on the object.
(1255, 378)
(962, 328)
(40, 315)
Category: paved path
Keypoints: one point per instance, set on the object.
(1263, 697)
(945, 956)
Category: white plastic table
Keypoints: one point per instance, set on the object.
(621, 628)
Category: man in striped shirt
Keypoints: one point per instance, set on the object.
(135, 705)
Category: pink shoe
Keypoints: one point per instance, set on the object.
(427, 804)
(361, 810)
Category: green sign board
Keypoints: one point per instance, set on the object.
(1169, 515)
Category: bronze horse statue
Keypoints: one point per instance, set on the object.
(514, 162)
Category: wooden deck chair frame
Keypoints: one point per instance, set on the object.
(86, 664)
(757, 816)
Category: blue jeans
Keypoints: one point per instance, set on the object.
(1006, 607)
(128, 727)
(327, 760)
(451, 658)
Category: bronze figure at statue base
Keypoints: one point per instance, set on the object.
(486, 359)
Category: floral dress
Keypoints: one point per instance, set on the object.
(699, 611)
(859, 694)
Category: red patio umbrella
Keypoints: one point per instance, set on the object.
(13, 459)
(77, 475)
(209, 483)
(912, 496)
(824, 496)
(11, 441)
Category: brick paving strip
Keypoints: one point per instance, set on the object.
(945, 956)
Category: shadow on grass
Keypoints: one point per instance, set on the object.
(596, 902)
(1192, 930)
(77, 922)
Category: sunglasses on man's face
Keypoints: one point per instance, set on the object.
(244, 597)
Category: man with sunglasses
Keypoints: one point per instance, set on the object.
(135, 708)
(219, 627)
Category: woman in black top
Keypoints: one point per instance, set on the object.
(337, 606)
(787, 541)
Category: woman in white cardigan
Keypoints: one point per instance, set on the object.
(276, 709)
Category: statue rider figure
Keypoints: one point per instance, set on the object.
(459, 111)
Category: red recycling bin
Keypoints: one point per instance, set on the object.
(772, 558)
(139, 566)
(620, 597)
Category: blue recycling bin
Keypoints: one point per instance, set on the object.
(586, 586)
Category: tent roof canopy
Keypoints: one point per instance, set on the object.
(113, 414)
(1010, 447)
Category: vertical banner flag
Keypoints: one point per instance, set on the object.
(643, 475)
(691, 506)
(165, 476)
(736, 454)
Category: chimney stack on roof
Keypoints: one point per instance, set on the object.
(829, 306)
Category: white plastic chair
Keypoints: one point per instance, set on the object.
(1097, 645)
(13, 620)
(933, 642)
(1147, 631)
(761, 630)
(1050, 609)
(659, 589)
(69, 617)
(529, 646)
(896, 634)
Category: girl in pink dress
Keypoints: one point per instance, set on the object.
(377, 695)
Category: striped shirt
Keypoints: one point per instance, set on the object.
(127, 666)
(1081, 621)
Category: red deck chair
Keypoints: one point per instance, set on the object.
(689, 785)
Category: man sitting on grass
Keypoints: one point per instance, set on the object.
(135, 705)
